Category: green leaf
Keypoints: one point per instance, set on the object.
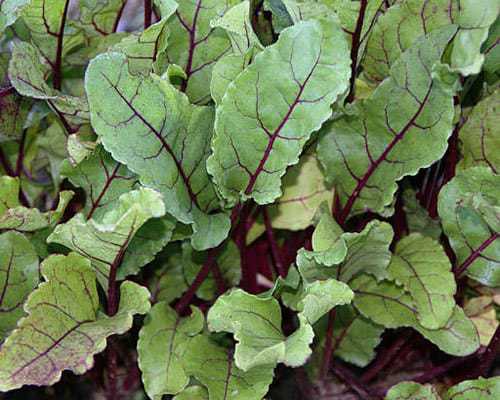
(64, 327)
(423, 268)
(236, 23)
(404, 22)
(18, 277)
(101, 17)
(479, 136)
(418, 218)
(193, 393)
(328, 242)
(412, 391)
(263, 123)
(387, 304)
(316, 299)
(256, 325)
(45, 21)
(472, 236)
(27, 72)
(102, 178)
(196, 46)
(105, 242)
(13, 216)
(479, 389)
(145, 123)
(225, 71)
(163, 341)
(355, 337)
(228, 262)
(402, 127)
(146, 50)
(9, 12)
(212, 365)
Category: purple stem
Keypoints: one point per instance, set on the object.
(475, 254)
(356, 41)
(60, 39)
(353, 382)
(275, 251)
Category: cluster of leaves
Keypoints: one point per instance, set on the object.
(298, 196)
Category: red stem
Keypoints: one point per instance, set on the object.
(4, 162)
(385, 358)
(275, 251)
(356, 41)
(328, 352)
(440, 370)
(475, 254)
(186, 298)
(119, 16)
(148, 13)
(491, 353)
(353, 382)
(60, 40)
(219, 279)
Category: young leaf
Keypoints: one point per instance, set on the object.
(64, 327)
(16, 217)
(196, 46)
(212, 365)
(256, 325)
(263, 123)
(148, 125)
(479, 136)
(403, 126)
(412, 391)
(105, 242)
(472, 236)
(423, 268)
(163, 341)
(18, 277)
(388, 305)
(404, 22)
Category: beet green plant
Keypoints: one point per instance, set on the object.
(246, 200)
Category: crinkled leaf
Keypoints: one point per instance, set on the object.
(256, 325)
(16, 217)
(404, 22)
(412, 391)
(403, 126)
(423, 268)
(196, 46)
(478, 389)
(28, 72)
(18, 277)
(64, 327)
(263, 123)
(212, 365)
(105, 242)
(148, 125)
(472, 236)
(480, 137)
(103, 179)
(163, 341)
(387, 304)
